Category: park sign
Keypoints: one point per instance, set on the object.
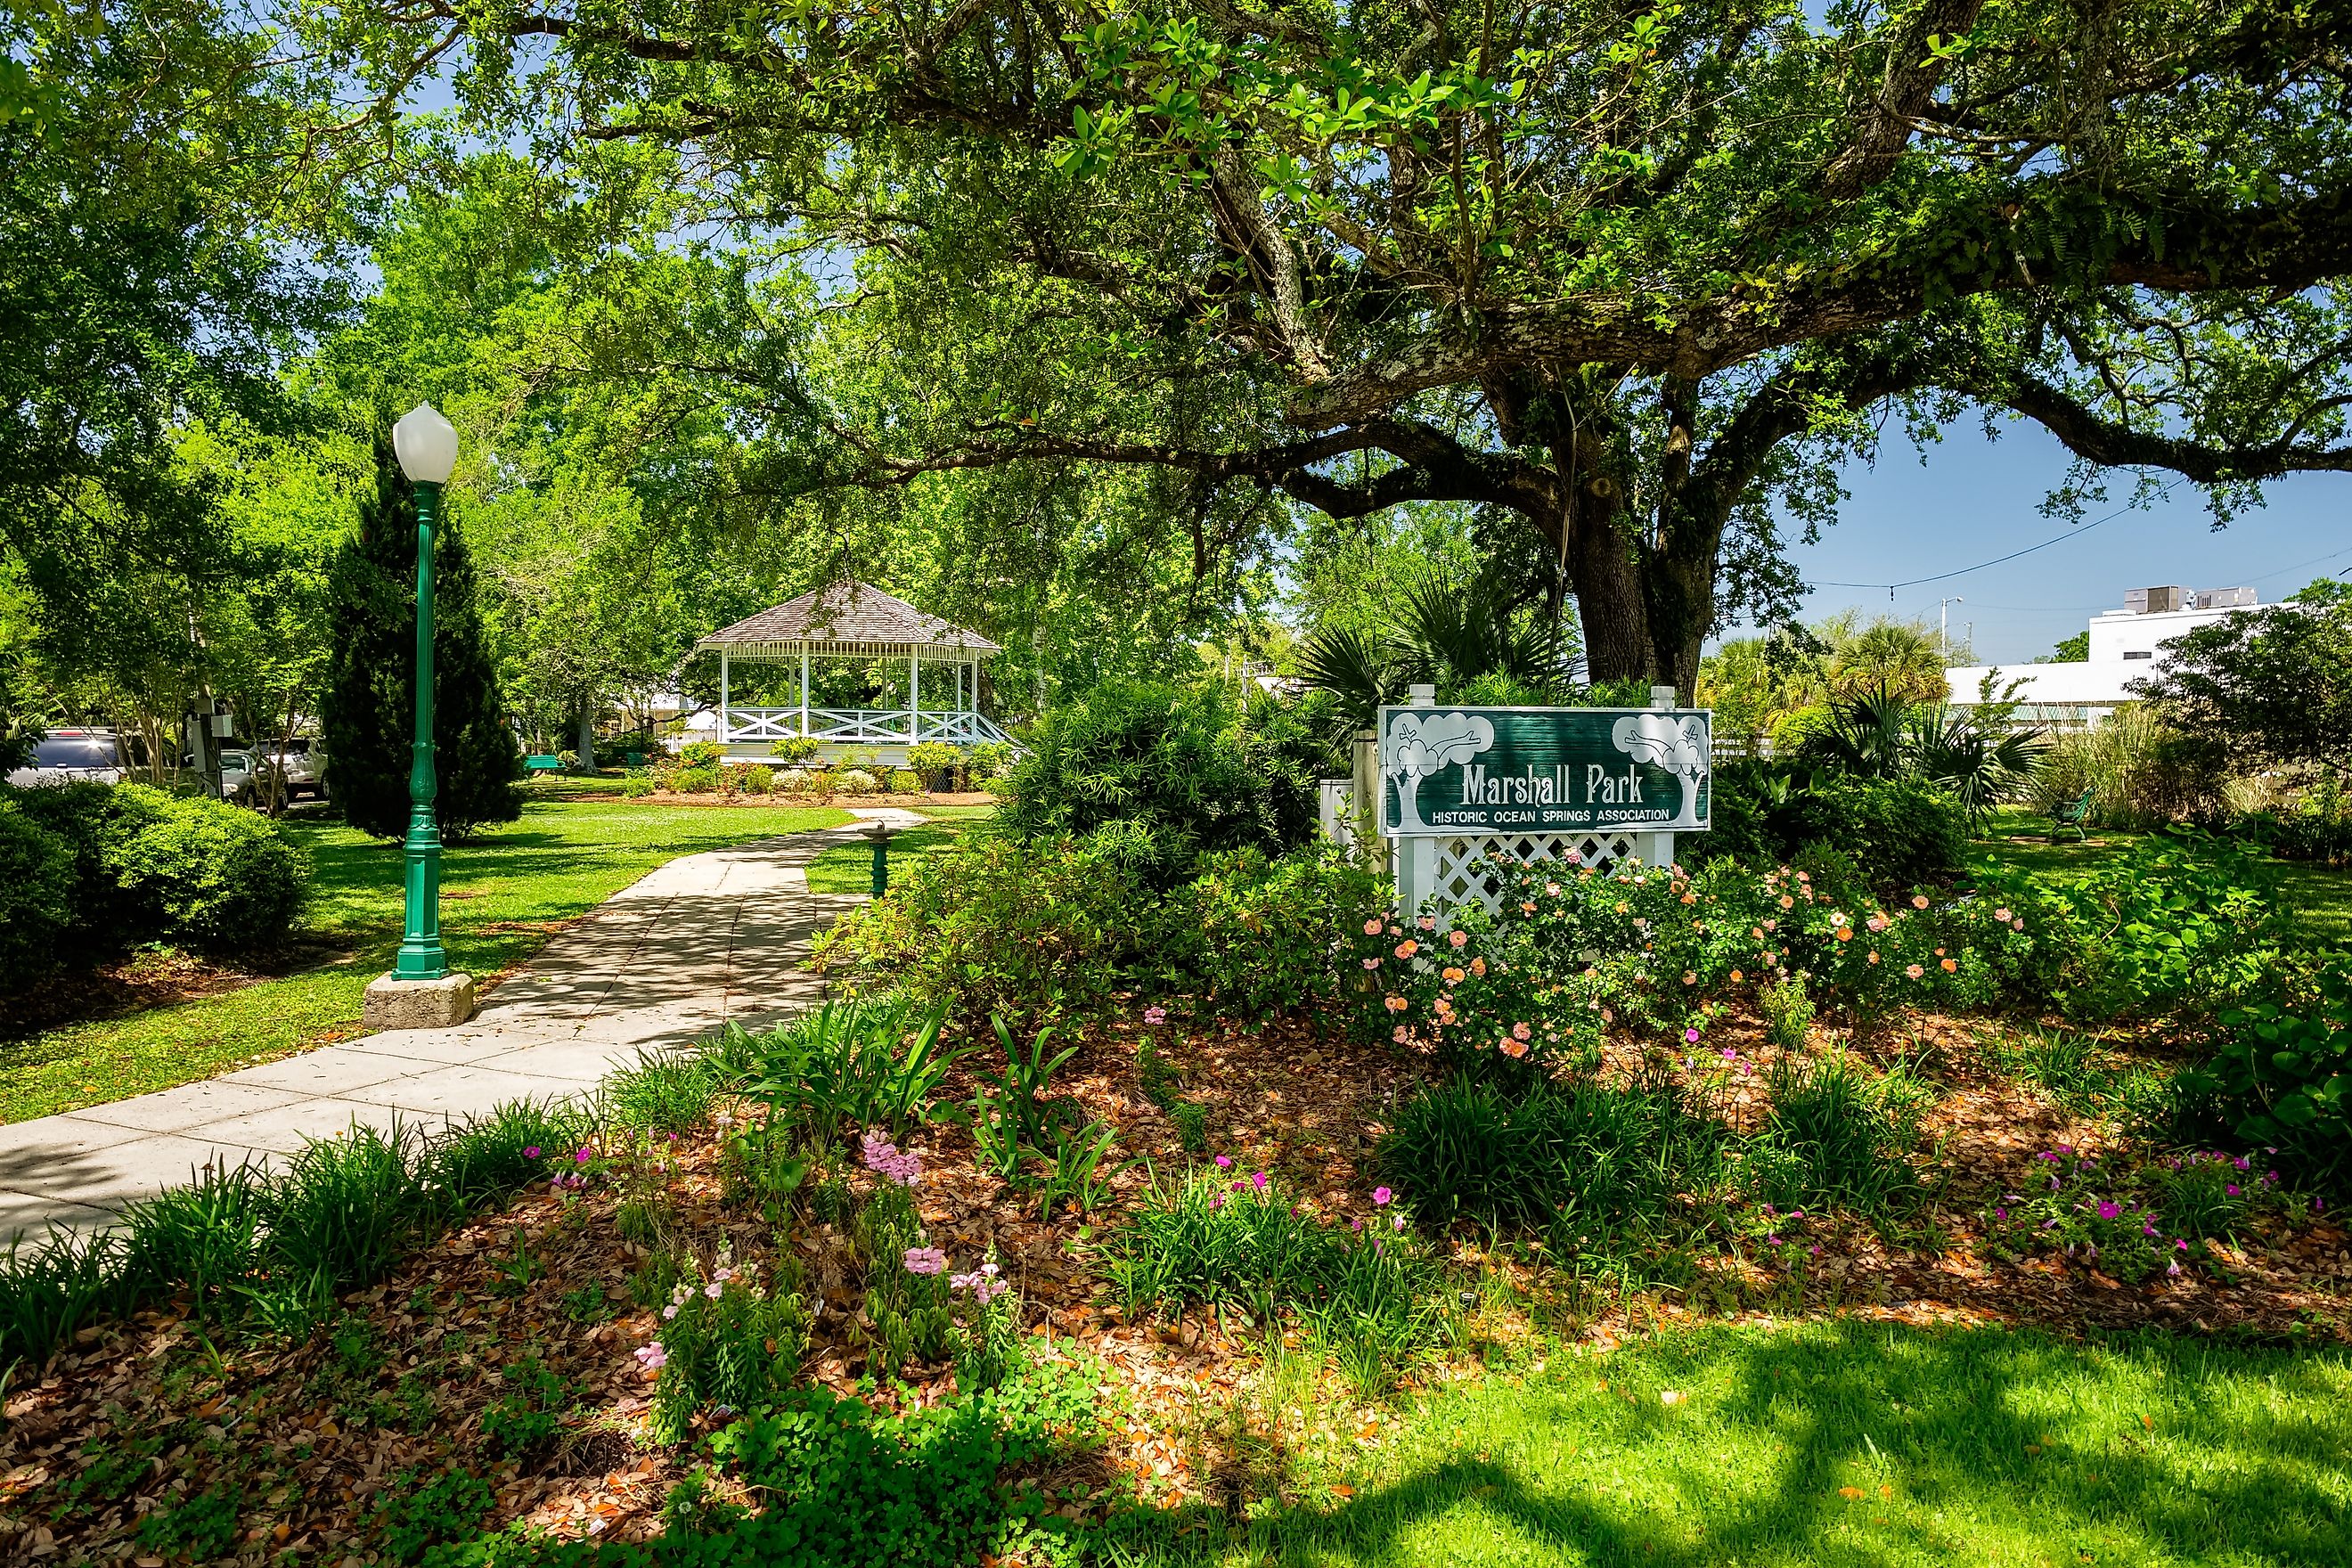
(1454, 771)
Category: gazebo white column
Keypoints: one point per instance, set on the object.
(805, 661)
(914, 698)
(723, 731)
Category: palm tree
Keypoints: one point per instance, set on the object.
(1447, 633)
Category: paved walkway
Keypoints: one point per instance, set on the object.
(702, 940)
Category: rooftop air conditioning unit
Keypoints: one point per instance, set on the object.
(2156, 601)
(2225, 598)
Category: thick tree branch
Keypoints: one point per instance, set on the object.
(2091, 435)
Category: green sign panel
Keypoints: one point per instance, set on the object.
(1448, 771)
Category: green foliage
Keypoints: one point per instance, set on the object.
(1837, 1135)
(1223, 1237)
(141, 865)
(2139, 771)
(2281, 1077)
(1787, 1014)
(412, 1517)
(1259, 931)
(702, 754)
(2276, 681)
(2183, 923)
(1575, 1153)
(937, 763)
(2132, 1222)
(995, 925)
(37, 894)
(1154, 776)
(661, 1093)
(866, 1062)
(1900, 831)
(794, 750)
(214, 876)
(200, 1528)
(277, 1247)
(531, 1409)
(737, 1345)
(368, 712)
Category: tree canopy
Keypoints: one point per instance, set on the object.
(1628, 273)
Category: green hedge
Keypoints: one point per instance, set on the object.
(114, 865)
(1898, 831)
(37, 887)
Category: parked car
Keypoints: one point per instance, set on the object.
(303, 762)
(63, 756)
(237, 777)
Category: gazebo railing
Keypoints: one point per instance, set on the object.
(861, 726)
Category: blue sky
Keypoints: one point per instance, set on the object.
(1974, 500)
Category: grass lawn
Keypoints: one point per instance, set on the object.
(2321, 896)
(503, 894)
(1848, 1443)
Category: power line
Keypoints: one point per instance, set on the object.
(2060, 539)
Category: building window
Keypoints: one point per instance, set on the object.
(2138, 653)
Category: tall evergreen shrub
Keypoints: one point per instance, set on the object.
(368, 711)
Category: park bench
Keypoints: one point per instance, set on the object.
(2071, 815)
(543, 765)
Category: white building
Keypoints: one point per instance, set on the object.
(2127, 644)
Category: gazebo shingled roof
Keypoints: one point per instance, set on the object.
(853, 619)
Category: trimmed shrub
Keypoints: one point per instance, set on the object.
(756, 779)
(37, 883)
(1167, 774)
(215, 876)
(1899, 833)
(937, 761)
(995, 925)
(1260, 930)
(855, 781)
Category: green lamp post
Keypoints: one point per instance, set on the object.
(426, 445)
(421, 992)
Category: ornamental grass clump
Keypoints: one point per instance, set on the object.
(1837, 1135)
(1222, 1238)
(1602, 1156)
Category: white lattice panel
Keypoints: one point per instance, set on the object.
(1466, 873)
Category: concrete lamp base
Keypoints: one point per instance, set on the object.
(395, 1003)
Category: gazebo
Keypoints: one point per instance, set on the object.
(855, 620)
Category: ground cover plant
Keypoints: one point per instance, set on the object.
(505, 892)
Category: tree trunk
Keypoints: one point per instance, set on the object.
(1610, 604)
(587, 733)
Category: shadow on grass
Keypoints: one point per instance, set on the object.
(1846, 1444)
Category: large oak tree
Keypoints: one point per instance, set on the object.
(1627, 271)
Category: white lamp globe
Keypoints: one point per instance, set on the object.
(426, 445)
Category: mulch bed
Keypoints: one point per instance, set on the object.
(315, 1442)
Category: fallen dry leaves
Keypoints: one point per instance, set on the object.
(141, 1415)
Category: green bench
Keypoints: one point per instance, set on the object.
(2071, 816)
(545, 765)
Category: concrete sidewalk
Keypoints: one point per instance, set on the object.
(703, 940)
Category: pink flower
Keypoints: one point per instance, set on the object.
(1913, 970)
(1427, 922)
(2002, 915)
(1260, 1181)
(712, 1289)
(1396, 1222)
(1382, 1196)
(926, 1260)
(582, 1157)
(1690, 1037)
(1521, 1032)
(1372, 963)
(531, 1152)
(2109, 1208)
(652, 1357)
(1218, 1202)
(1372, 928)
(669, 1311)
(1155, 1015)
(1401, 1035)
(1224, 1161)
(1458, 938)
